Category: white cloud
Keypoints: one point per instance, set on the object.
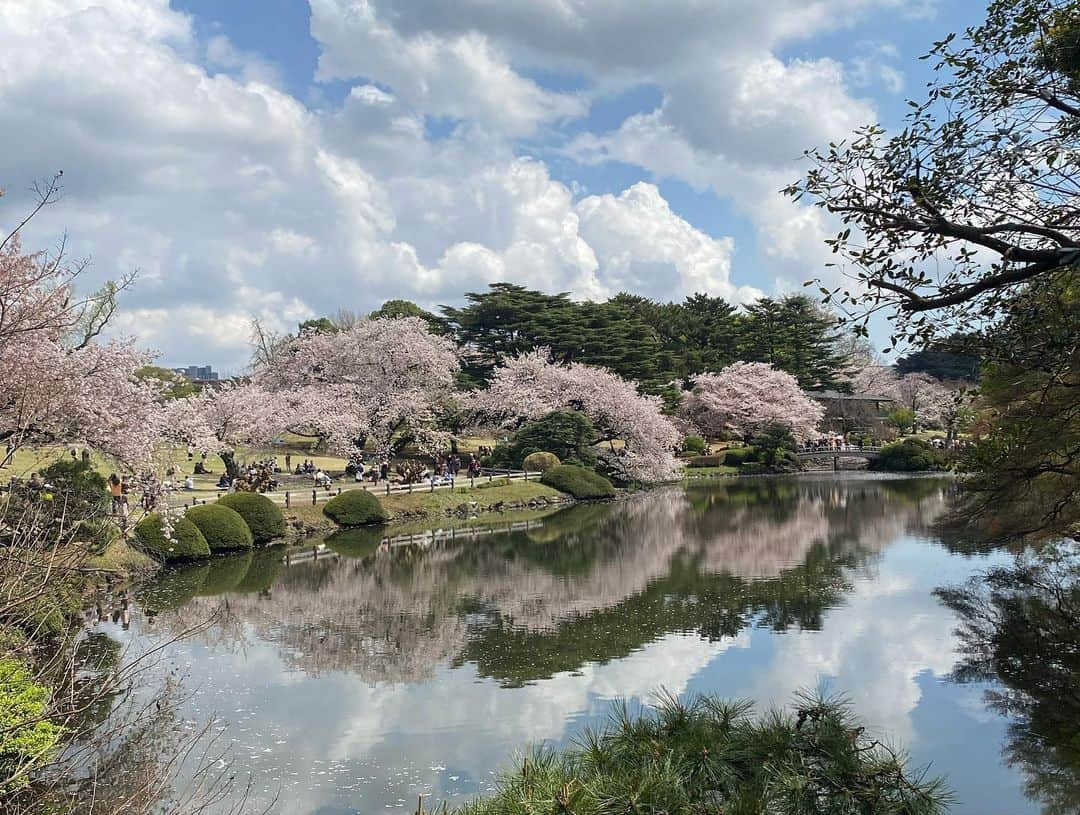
(235, 198)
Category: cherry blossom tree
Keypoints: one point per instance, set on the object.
(57, 384)
(220, 419)
(930, 400)
(745, 397)
(385, 381)
(530, 386)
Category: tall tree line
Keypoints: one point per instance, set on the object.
(659, 345)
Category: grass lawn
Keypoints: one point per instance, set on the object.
(421, 504)
(704, 472)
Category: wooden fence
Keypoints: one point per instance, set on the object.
(313, 495)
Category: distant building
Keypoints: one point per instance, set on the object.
(854, 412)
(198, 373)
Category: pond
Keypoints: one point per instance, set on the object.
(379, 672)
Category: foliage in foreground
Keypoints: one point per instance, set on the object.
(707, 755)
(578, 482)
(27, 739)
(262, 515)
(355, 508)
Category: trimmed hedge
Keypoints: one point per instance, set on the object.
(355, 508)
(188, 542)
(540, 462)
(738, 457)
(704, 461)
(578, 482)
(222, 527)
(262, 515)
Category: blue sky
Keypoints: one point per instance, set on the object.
(284, 159)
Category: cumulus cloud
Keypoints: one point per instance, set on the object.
(185, 159)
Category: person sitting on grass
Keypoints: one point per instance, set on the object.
(224, 482)
(189, 482)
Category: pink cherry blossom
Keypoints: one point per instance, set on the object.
(380, 381)
(745, 397)
(58, 387)
(530, 386)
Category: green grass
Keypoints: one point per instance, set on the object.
(121, 557)
(706, 472)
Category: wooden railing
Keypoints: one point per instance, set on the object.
(313, 495)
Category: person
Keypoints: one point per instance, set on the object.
(189, 482)
(224, 482)
(322, 479)
(116, 489)
(384, 469)
(288, 462)
(359, 470)
(190, 452)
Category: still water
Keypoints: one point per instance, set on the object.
(358, 681)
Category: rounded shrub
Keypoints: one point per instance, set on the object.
(540, 462)
(186, 543)
(695, 445)
(355, 508)
(909, 455)
(262, 515)
(223, 528)
(578, 482)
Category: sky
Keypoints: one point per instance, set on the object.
(284, 159)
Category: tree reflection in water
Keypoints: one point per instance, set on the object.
(1020, 627)
(592, 583)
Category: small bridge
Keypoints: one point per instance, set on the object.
(866, 453)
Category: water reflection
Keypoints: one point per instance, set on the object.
(1020, 627)
(589, 584)
(359, 680)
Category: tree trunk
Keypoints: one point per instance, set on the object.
(228, 458)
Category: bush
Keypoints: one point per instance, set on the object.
(25, 740)
(187, 541)
(80, 489)
(772, 442)
(222, 527)
(355, 508)
(708, 755)
(262, 515)
(567, 434)
(705, 461)
(540, 462)
(578, 482)
(909, 455)
(695, 445)
(740, 456)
